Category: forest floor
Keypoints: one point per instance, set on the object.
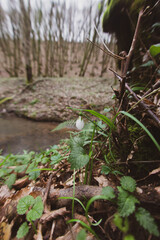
(108, 204)
(48, 99)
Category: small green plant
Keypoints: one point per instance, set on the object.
(33, 208)
(34, 101)
(126, 206)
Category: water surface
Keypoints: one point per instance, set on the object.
(18, 134)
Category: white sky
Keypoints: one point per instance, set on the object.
(80, 3)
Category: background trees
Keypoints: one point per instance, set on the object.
(50, 41)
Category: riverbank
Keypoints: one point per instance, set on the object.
(49, 99)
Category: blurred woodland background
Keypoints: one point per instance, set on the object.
(52, 41)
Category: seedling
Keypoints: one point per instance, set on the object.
(33, 208)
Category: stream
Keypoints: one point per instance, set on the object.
(18, 134)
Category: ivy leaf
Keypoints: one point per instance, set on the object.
(78, 158)
(108, 192)
(126, 203)
(10, 180)
(128, 183)
(23, 230)
(147, 221)
(36, 211)
(24, 204)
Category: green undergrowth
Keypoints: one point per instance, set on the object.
(30, 163)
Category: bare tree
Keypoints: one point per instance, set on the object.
(26, 32)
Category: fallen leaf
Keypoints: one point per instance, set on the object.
(103, 182)
(53, 214)
(5, 231)
(155, 171)
(20, 183)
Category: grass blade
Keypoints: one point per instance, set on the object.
(142, 126)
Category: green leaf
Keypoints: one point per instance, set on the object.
(147, 64)
(129, 237)
(10, 180)
(55, 158)
(108, 192)
(121, 223)
(81, 235)
(128, 183)
(78, 157)
(143, 127)
(106, 170)
(147, 221)
(66, 124)
(33, 175)
(23, 230)
(126, 203)
(24, 204)
(155, 49)
(36, 211)
(102, 117)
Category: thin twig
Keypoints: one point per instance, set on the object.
(129, 56)
(139, 101)
(108, 50)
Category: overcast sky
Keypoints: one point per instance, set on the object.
(79, 3)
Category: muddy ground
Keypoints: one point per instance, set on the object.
(48, 99)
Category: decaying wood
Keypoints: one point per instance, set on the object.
(149, 196)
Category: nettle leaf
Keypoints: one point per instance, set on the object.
(78, 157)
(128, 183)
(36, 211)
(24, 204)
(126, 203)
(10, 180)
(147, 221)
(108, 192)
(23, 230)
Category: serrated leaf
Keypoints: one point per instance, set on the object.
(24, 204)
(10, 180)
(34, 174)
(36, 211)
(23, 230)
(108, 192)
(147, 221)
(78, 157)
(126, 203)
(81, 235)
(128, 183)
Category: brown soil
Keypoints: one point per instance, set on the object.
(48, 99)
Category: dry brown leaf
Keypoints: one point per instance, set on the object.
(103, 182)
(5, 193)
(5, 230)
(155, 171)
(39, 236)
(20, 183)
(157, 189)
(53, 214)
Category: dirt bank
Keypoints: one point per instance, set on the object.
(48, 99)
